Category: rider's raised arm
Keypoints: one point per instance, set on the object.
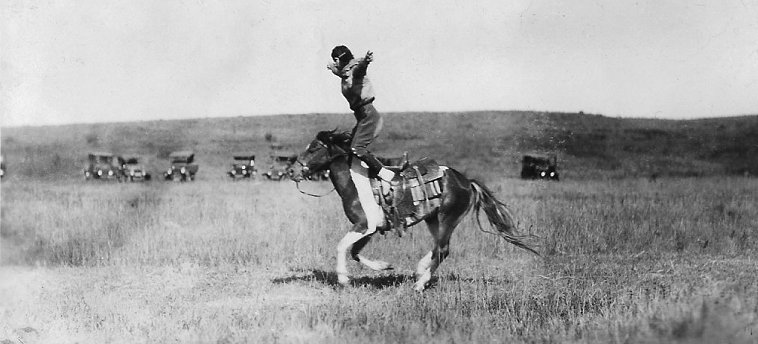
(360, 68)
(333, 67)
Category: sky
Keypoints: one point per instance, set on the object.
(90, 61)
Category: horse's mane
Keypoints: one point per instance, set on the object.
(336, 137)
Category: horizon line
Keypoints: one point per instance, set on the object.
(384, 112)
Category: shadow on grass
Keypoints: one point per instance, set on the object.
(471, 280)
(330, 278)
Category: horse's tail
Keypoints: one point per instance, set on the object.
(498, 214)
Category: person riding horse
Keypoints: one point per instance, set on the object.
(357, 89)
(442, 212)
(336, 152)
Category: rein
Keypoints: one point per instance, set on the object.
(297, 184)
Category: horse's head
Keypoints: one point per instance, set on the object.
(320, 153)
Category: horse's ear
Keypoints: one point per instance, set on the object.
(329, 135)
(324, 136)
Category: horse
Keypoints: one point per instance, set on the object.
(330, 150)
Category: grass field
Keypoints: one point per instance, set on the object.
(624, 260)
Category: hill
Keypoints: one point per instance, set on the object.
(487, 144)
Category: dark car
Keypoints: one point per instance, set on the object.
(183, 167)
(540, 166)
(280, 168)
(243, 167)
(104, 166)
(134, 171)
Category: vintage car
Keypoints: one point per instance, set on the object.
(243, 166)
(104, 166)
(183, 168)
(540, 166)
(134, 171)
(280, 168)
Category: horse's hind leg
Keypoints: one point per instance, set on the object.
(424, 272)
(441, 228)
(427, 265)
(376, 265)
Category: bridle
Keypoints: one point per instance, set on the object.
(305, 168)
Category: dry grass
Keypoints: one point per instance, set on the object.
(624, 261)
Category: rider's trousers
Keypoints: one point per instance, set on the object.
(365, 131)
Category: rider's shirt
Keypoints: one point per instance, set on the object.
(356, 87)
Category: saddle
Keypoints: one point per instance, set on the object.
(413, 195)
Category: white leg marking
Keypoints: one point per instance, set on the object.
(348, 240)
(374, 214)
(374, 217)
(423, 272)
(377, 265)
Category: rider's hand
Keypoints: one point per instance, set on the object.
(369, 56)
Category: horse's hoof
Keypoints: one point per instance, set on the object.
(419, 287)
(343, 279)
(377, 265)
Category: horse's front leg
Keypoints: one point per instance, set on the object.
(376, 265)
(355, 241)
(347, 241)
(369, 215)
